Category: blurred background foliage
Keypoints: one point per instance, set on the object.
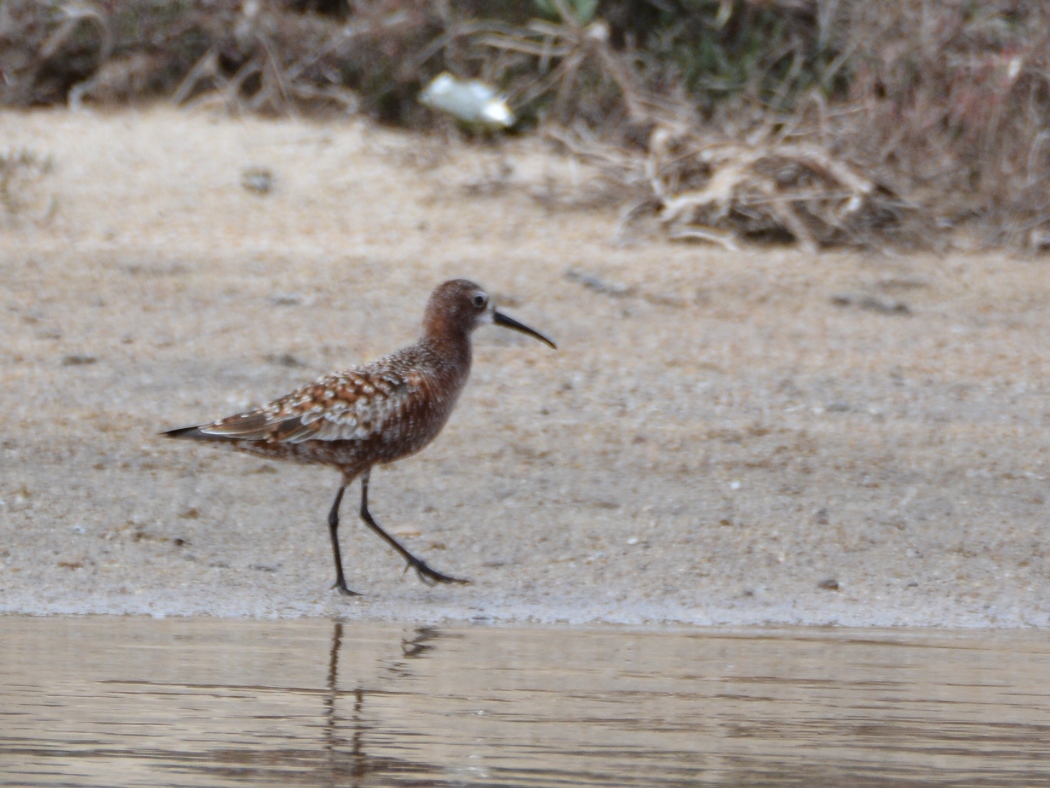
(946, 104)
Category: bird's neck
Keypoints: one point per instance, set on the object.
(451, 344)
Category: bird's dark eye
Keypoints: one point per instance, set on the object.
(480, 300)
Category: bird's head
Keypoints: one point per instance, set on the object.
(459, 306)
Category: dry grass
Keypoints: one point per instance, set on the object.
(821, 122)
(950, 102)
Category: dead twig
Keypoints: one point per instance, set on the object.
(716, 190)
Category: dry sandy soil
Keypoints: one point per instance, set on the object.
(857, 439)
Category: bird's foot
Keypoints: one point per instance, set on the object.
(341, 585)
(430, 576)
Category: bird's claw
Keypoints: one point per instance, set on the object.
(430, 577)
(341, 586)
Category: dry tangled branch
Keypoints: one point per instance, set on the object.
(707, 188)
(721, 190)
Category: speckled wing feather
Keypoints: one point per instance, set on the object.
(353, 404)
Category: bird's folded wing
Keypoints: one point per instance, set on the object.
(349, 405)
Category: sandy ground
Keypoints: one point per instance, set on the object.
(720, 438)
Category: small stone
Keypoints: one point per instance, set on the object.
(77, 360)
(257, 179)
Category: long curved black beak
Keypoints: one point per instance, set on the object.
(501, 319)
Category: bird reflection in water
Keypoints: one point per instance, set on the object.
(346, 737)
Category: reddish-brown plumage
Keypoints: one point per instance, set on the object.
(372, 414)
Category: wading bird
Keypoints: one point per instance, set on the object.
(373, 414)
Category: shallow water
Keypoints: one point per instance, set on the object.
(134, 701)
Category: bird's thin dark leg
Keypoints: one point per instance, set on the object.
(333, 529)
(425, 572)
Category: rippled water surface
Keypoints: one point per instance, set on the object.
(126, 701)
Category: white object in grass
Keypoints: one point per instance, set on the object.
(469, 100)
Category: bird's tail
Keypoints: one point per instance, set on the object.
(190, 433)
